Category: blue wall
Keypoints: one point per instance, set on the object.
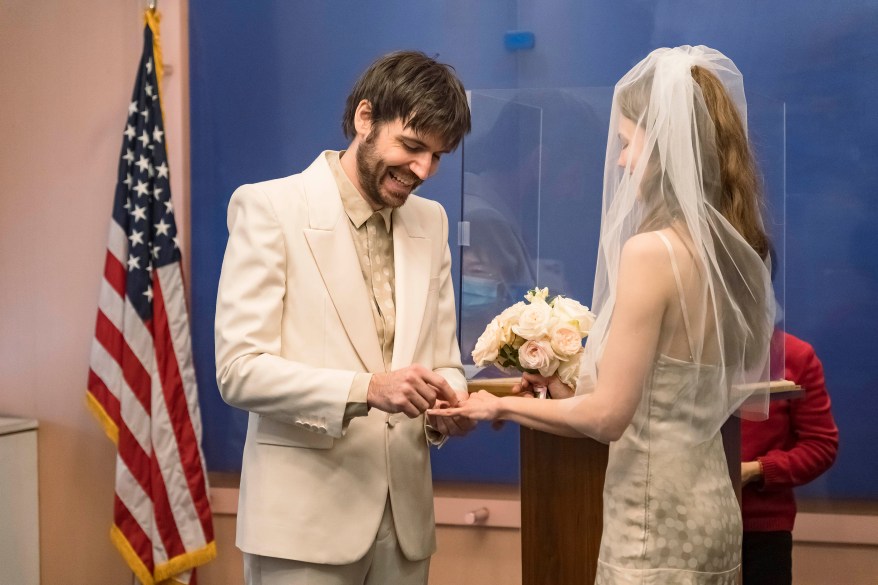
(269, 81)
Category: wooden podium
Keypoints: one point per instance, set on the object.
(562, 482)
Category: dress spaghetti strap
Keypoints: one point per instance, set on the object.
(680, 294)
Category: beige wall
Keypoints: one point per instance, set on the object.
(67, 69)
(66, 75)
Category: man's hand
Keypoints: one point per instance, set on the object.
(455, 426)
(410, 390)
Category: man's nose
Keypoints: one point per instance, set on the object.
(422, 165)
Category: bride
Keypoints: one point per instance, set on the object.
(682, 293)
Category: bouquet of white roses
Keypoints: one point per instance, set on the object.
(543, 335)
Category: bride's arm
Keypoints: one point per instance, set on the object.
(644, 288)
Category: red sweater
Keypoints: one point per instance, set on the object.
(795, 445)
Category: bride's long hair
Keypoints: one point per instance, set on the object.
(693, 173)
(740, 197)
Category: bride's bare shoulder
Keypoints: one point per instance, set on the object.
(646, 246)
(645, 259)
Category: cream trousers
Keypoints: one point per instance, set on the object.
(383, 564)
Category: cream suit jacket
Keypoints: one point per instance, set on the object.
(293, 327)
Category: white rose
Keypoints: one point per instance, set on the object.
(534, 321)
(568, 372)
(512, 313)
(565, 339)
(508, 318)
(488, 344)
(573, 312)
(538, 355)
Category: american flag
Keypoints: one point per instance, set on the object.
(141, 382)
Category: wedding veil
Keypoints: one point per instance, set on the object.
(688, 181)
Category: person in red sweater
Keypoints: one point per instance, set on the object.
(795, 445)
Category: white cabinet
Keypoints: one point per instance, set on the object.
(19, 503)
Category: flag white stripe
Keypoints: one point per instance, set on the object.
(117, 243)
(111, 304)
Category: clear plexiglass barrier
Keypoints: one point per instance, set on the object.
(531, 208)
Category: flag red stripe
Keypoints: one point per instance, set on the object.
(164, 516)
(104, 397)
(135, 375)
(178, 410)
(115, 274)
(134, 534)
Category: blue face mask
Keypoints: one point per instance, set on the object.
(479, 291)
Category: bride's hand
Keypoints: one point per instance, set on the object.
(557, 388)
(479, 406)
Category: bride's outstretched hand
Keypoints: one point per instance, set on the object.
(480, 406)
(557, 389)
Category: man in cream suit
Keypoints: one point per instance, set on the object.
(335, 329)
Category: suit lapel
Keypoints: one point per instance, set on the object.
(333, 249)
(411, 251)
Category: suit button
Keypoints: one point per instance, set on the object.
(391, 421)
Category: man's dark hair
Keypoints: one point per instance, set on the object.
(410, 86)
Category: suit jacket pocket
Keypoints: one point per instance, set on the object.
(270, 431)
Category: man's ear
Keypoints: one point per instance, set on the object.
(363, 119)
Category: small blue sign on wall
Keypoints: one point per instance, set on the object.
(519, 40)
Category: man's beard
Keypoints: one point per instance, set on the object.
(371, 170)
